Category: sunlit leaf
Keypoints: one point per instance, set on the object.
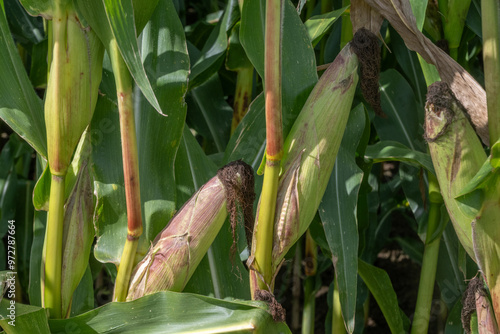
(171, 312)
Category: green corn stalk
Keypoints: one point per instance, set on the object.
(490, 12)
(421, 317)
(457, 154)
(454, 13)
(75, 74)
(179, 248)
(310, 268)
(309, 155)
(262, 242)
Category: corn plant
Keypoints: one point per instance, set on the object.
(249, 166)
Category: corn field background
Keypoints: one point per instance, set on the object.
(202, 166)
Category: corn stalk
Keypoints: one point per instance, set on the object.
(70, 101)
(263, 235)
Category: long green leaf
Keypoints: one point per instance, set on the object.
(404, 125)
(39, 224)
(24, 318)
(410, 65)
(381, 288)
(171, 312)
(395, 151)
(26, 29)
(338, 214)
(20, 108)
(209, 114)
(317, 26)
(215, 47)
(399, 104)
(122, 23)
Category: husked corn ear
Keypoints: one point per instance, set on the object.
(75, 75)
(179, 248)
(457, 154)
(310, 151)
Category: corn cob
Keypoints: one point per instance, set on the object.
(179, 248)
(309, 154)
(457, 154)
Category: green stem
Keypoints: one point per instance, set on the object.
(297, 286)
(326, 6)
(51, 280)
(490, 12)
(130, 170)
(429, 262)
(274, 148)
(125, 269)
(346, 33)
(311, 264)
(51, 284)
(308, 313)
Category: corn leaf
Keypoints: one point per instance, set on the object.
(398, 103)
(317, 26)
(170, 312)
(27, 318)
(236, 58)
(209, 113)
(338, 214)
(381, 288)
(410, 65)
(20, 108)
(38, 7)
(215, 47)
(39, 224)
(388, 150)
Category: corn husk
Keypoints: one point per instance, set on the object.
(457, 155)
(75, 75)
(78, 227)
(310, 151)
(179, 248)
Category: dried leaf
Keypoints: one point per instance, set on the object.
(363, 16)
(470, 94)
